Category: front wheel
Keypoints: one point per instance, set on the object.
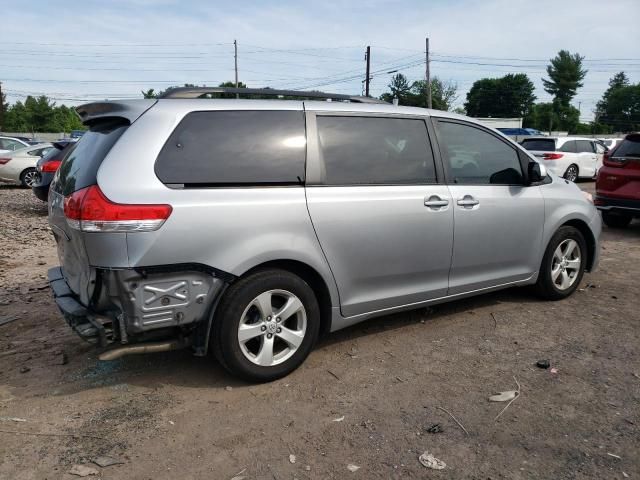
(29, 177)
(563, 264)
(572, 173)
(613, 220)
(266, 325)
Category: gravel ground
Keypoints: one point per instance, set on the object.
(366, 397)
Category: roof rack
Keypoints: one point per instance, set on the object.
(195, 92)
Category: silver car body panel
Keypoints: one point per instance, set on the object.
(494, 242)
(378, 249)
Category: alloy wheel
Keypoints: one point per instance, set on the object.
(30, 177)
(272, 328)
(572, 173)
(565, 264)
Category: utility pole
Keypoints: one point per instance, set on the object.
(1, 108)
(428, 73)
(235, 57)
(367, 77)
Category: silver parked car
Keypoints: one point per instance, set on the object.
(247, 228)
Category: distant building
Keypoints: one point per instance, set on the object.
(501, 122)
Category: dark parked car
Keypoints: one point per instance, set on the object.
(47, 166)
(618, 183)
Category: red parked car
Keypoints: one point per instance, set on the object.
(618, 183)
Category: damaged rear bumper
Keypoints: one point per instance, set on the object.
(136, 306)
(79, 318)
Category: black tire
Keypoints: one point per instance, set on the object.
(573, 173)
(224, 334)
(545, 286)
(26, 176)
(613, 220)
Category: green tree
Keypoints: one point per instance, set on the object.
(443, 94)
(40, 115)
(149, 93)
(398, 88)
(508, 96)
(565, 77)
(622, 111)
(616, 109)
(3, 108)
(552, 117)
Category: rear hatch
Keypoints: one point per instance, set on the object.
(79, 170)
(621, 178)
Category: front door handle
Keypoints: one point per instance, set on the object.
(467, 201)
(435, 202)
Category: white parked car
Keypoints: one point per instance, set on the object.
(19, 166)
(568, 157)
(10, 144)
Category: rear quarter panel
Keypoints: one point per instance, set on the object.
(231, 229)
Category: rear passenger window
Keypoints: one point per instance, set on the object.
(569, 147)
(235, 148)
(584, 146)
(476, 157)
(374, 151)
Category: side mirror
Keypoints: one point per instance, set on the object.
(536, 172)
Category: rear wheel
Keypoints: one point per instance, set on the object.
(563, 264)
(28, 177)
(613, 220)
(572, 173)
(266, 325)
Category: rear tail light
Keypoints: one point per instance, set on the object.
(50, 167)
(613, 161)
(552, 156)
(90, 211)
(4, 161)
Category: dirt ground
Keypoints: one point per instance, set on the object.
(365, 397)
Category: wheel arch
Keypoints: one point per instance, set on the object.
(24, 172)
(309, 275)
(590, 240)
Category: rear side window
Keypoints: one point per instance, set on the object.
(569, 147)
(374, 151)
(235, 148)
(8, 144)
(80, 166)
(541, 145)
(584, 146)
(475, 157)
(53, 152)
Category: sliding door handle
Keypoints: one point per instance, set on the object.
(435, 202)
(467, 201)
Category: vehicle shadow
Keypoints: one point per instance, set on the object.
(430, 314)
(632, 231)
(22, 206)
(182, 369)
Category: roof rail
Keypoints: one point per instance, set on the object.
(195, 92)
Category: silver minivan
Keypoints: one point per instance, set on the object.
(247, 228)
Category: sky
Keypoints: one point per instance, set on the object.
(92, 50)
